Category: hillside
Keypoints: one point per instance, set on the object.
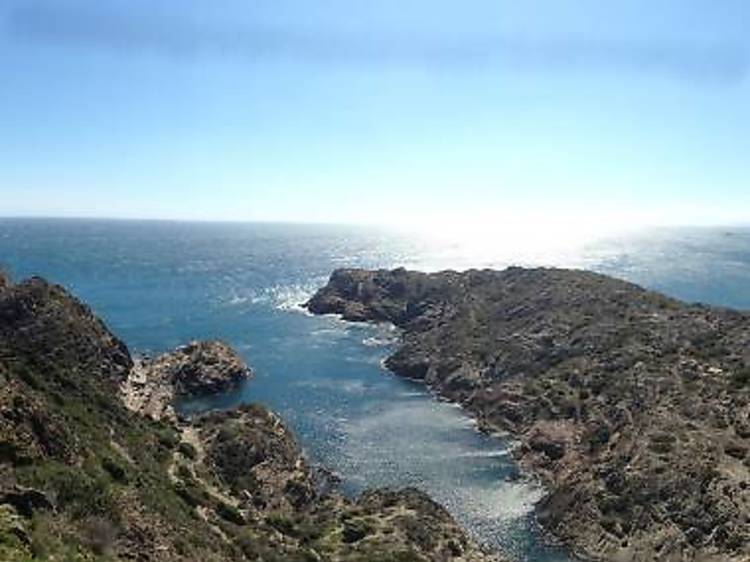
(632, 407)
(95, 465)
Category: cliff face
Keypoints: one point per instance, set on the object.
(94, 466)
(632, 406)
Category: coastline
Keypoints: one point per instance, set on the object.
(480, 425)
(434, 306)
(92, 449)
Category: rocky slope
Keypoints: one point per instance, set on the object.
(95, 467)
(633, 407)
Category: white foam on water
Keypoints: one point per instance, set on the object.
(413, 394)
(486, 454)
(281, 297)
(240, 298)
(375, 341)
(332, 332)
(510, 500)
(292, 297)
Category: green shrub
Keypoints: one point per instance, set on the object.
(741, 378)
(281, 523)
(99, 534)
(115, 469)
(13, 535)
(355, 530)
(187, 450)
(184, 473)
(79, 491)
(190, 493)
(168, 437)
(230, 513)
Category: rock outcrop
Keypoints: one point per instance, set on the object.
(95, 466)
(256, 457)
(198, 368)
(40, 322)
(206, 367)
(268, 484)
(633, 407)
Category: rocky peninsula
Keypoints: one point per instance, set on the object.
(95, 466)
(632, 407)
(198, 368)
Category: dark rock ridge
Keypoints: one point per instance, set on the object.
(632, 406)
(95, 469)
(42, 322)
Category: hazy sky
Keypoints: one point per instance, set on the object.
(381, 111)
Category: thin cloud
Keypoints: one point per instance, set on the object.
(127, 32)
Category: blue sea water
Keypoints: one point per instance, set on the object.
(161, 284)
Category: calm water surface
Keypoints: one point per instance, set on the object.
(161, 284)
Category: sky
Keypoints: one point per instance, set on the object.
(431, 112)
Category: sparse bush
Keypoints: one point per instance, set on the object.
(355, 530)
(168, 438)
(187, 450)
(115, 469)
(281, 523)
(80, 492)
(230, 513)
(190, 494)
(184, 473)
(99, 534)
(741, 378)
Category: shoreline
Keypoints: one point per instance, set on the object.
(92, 448)
(446, 343)
(479, 425)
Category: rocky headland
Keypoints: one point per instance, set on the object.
(632, 407)
(199, 368)
(95, 466)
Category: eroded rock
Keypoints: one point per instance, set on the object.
(205, 367)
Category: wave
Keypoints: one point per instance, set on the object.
(485, 454)
(292, 297)
(289, 297)
(513, 500)
(375, 341)
(237, 300)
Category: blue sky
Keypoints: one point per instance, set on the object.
(383, 111)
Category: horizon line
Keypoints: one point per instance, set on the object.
(185, 220)
(312, 222)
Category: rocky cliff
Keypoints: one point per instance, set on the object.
(198, 368)
(94, 466)
(632, 407)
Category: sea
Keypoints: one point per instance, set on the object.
(161, 284)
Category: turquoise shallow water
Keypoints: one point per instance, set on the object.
(161, 284)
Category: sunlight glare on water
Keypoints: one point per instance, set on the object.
(159, 285)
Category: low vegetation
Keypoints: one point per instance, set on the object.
(83, 478)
